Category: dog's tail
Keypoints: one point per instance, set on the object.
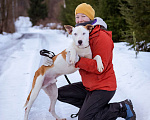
(40, 71)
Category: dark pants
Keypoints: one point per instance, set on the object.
(93, 104)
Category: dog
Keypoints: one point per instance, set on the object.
(45, 76)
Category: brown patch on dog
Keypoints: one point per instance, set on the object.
(63, 53)
(42, 70)
(39, 72)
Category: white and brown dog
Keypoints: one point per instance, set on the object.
(45, 76)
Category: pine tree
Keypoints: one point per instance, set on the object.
(137, 15)
(108, 10)
(37, 11)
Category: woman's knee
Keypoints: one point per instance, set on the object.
(80, 117)
(61, 94)
(83, 115)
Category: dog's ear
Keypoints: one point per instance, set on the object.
(89, 27)
(68, 28)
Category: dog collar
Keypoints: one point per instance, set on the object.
(84, 47)
(87, 46)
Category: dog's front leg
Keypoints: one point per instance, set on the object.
(52, 92)
(100, 66)
(73, 55)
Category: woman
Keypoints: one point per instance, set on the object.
(93, 94)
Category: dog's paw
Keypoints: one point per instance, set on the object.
(72, 60)
(100, 66)
(70, 57)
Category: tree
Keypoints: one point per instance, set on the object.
(6, 16)
(137, 15)
(109, 11)
(38, 10)
(9, 11)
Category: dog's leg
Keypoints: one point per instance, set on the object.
(72, 56)
(100, 66)
(33, 95)
(52, 92)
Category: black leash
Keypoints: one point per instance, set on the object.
(67, 79)
(46, 54)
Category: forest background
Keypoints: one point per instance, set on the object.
(129, 20)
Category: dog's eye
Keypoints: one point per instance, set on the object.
(83, 33)
(75, 34)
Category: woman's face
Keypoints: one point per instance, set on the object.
(81, 18)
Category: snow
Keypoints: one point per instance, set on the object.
(19, 59)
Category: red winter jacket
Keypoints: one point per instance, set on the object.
(101, 44)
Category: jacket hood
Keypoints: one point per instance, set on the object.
(99, 21)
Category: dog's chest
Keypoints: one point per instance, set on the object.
(85, 53)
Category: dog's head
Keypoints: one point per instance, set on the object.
(80, 34)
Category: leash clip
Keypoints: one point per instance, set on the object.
(74, 115)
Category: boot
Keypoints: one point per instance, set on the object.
(127, 110)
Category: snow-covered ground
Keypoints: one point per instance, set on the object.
(19, 59)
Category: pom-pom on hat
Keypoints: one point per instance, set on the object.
(85, 9)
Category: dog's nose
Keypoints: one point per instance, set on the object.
(80, 42)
